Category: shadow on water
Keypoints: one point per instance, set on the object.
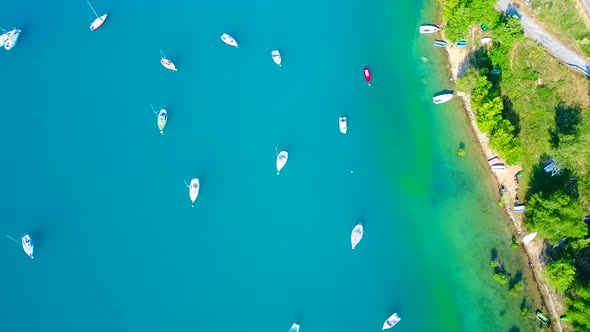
(517, 277)
(442, 92)
(462, 145)
(514, 329)
(494, 254)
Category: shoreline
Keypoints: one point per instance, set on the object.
(457, 63)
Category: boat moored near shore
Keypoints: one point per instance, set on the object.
(443, 98)
(428, 28)
(440, 43)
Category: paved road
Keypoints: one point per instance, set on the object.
(549, 42)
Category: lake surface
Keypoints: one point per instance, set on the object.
(118, 247)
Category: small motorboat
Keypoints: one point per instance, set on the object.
(98, 21)
(440, 43)
(428, 28)
(442, 98)
(12, 39)
(357, 235)
(282, 158)
(461, 43)
(162, 119)
(229, 40)
(28, 245)
(391, 321)
(193, 190)
(168, 64)
(486, 40)
(342, 123)
(367, 74)
(294, 328)
(276, 57)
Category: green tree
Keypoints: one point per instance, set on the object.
(489, 114)
(556, 216)
(480, 92)
(501, 278)
(579, 308)
(517, 288)
(560, 274)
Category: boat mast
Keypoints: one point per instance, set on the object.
(94, 11)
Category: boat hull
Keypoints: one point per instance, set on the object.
(28, 245)
(12, 39)
(357, 235)
(391, 321)
(162, 119)
(193, 190)
(98, 22)
(294, 328)
(367, 74)
(276, 57)
(229, 40)
(168, 64)
(440, 99)
(342, 124)
(428, 28)
(282, 158)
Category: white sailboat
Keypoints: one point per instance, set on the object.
(28, 245)
(229, 40)
(193, 190)
(98, 21)
(342, 124)
(357, 235)
(282, 158)
(294, 328)
(276, 57)
(12, 39)
(167, 63)
(391, 321)
(162, 118)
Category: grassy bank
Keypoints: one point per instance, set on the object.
(535, 111)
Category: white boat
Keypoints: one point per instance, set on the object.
(3, 39)
(12, 39)
(28, 245)
(391, 321)
(229, 40)
(342, 124)
(167, 63)
(276, 57)
(193, 190)
(98, 21)
(442, 98)
(529, 238)
(162, 118)
(486, 40)
(294, 328)
(428, 28)
(281, 160)
(357, 235)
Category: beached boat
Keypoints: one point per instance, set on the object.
(98, 21)
(391, 321)
(357, 235)
(28, 245)
(367, 74)
(442, 98)
(342, 124)
(162, 118)
(12, 39)
(229, 40)
(461, 43)
(440, 43)
(294, 328)
(193, 190)
(276, 57)
(282, 158)
(428, 28)
(486, 40)
(529, 237)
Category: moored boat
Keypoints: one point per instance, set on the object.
(367, 74)
(168, 64)
(428, 28)
(391, 321)
(282, 158)
(529, 237)
(442, 98)
(193, 190)
(229, 40)
(98, 21)
(440, 43)
(357, 235)
(28, 245)
(3, 38)
(294, 328)
(276, 57)
(342, 124)
(12, 39)
(162, 118)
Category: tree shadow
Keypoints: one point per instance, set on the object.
(567, 119)
(494, 254)
(517, 277)
(541, 181)
(553, 138)
(514, 329)
(510, 114)
(582, 263)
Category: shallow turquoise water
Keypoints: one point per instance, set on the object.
(119, 248)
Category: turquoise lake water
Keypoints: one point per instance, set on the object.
(118, 246)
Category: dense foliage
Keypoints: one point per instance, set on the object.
(459, 15)
(579, 308)
(560, 274)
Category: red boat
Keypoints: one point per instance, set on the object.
(367, 75)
